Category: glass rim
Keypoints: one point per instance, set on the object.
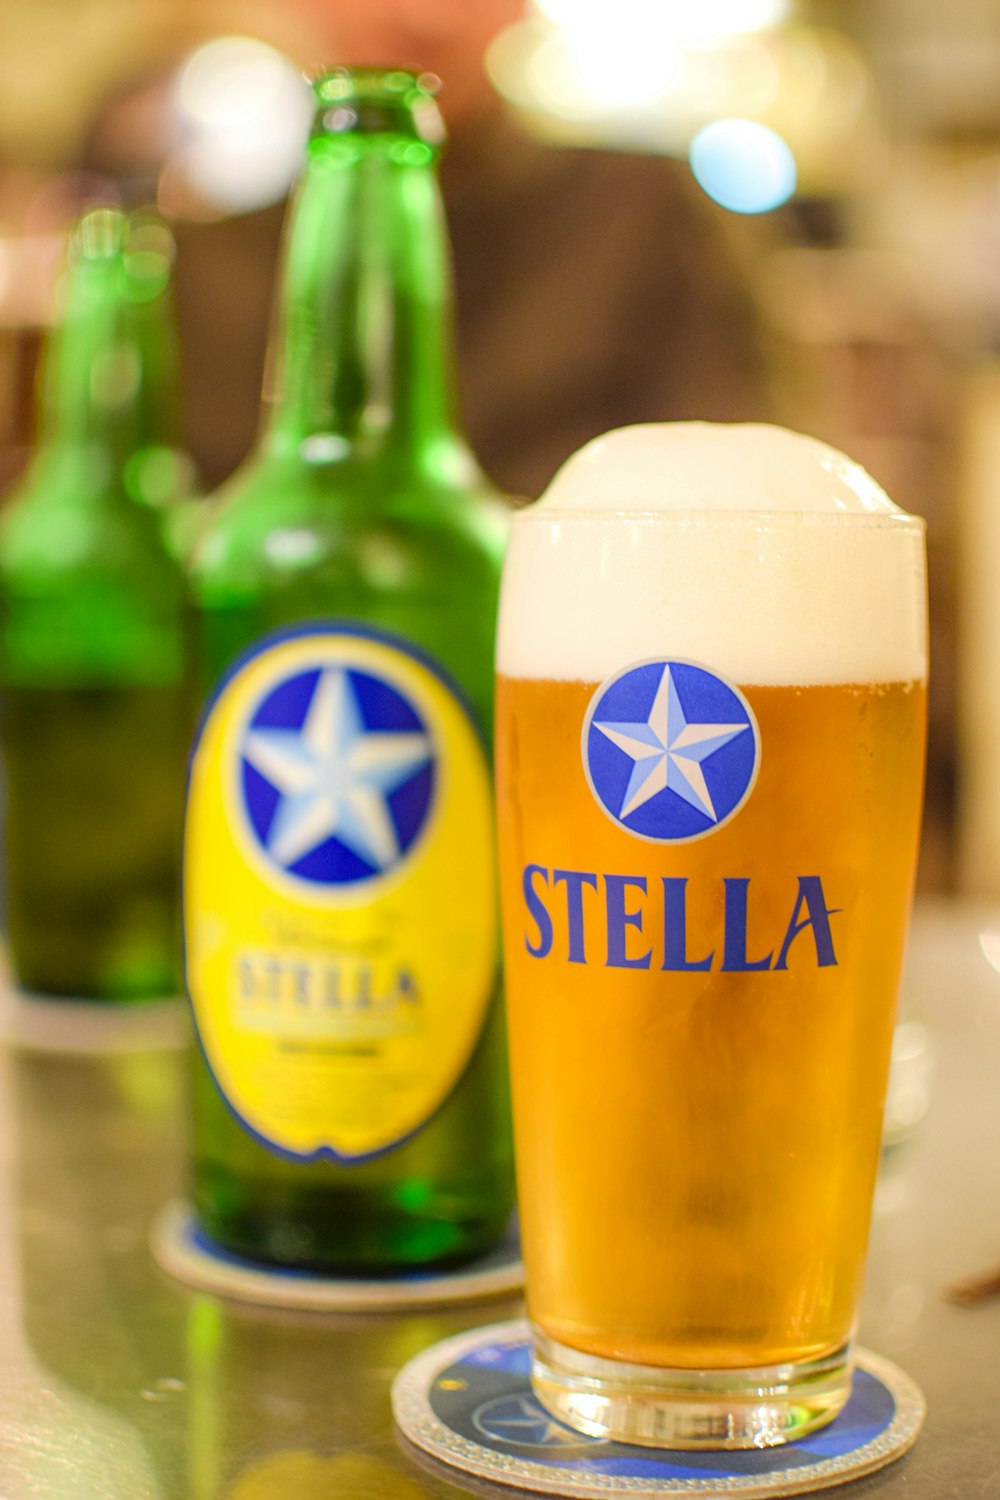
(759, 519)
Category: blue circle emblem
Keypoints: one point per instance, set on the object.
(520, 1419)
(337, 773)
(469, 1402)
(670, 749)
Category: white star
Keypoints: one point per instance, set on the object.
(334, 776)
(668, 751)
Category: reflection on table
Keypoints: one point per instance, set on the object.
(122, 1384)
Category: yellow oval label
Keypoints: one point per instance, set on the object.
(339, 890)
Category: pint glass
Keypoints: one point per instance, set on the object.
(710, 746)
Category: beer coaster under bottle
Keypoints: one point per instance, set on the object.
(468, 1403)
(183, 1250)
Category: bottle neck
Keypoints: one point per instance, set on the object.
(109, 376)
(361, 361)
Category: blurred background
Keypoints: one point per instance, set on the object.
(743, 209)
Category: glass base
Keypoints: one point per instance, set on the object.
(668, 1408)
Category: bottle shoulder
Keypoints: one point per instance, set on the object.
(53, 532)
(274, 521)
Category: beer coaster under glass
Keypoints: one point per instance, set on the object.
(40, 1023)
(187, 1253)
(468, 1403)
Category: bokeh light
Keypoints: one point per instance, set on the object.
(670, 21)
(243, 114)
(743, 165)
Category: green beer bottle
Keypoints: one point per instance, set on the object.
(158, 472)
(339, 890)
(93, 713)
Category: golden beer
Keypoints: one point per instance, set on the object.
(721, 1218)
(700, 1027)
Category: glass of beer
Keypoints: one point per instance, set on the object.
(710, 747)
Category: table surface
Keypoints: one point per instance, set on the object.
(120, 1384)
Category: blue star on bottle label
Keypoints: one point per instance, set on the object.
(338, 789)
(670, 749)
(337, 774)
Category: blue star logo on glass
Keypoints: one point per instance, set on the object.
(337, 771)
(670, 749)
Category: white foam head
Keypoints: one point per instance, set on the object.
(766, 555)
(709, 466)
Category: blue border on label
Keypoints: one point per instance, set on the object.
(335, 625)
(342, 627)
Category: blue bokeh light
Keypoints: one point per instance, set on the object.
(743, 165)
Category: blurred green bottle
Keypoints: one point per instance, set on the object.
(339, 897)
(93, 714)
